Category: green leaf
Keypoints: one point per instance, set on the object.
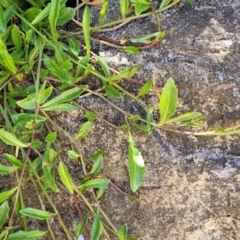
(72, 154)
(104, 66)
(80, 226)
(168, 101)
(145, 88)
(74, 46)
(16, 37)
(145, 38)
(30, 101)
(56, 70)
(36, 144)
(95, 183)
(136, 165)
(65, 177)
(4, 211)
(185, 117)
(86, 29)
(66, 96)
(36, 213)
(97, 165)
(42, 14)
(49, 181)
(122, 232)
(96, 228)
(53, 16)
(128, 72)
(100, 192)
(5, 195)
(124, 4)
(51, 137)
(25, 235)
(112, 92)
(3, 22)
(66, 107)
(134, 117)
(10, 139)
(65, 15)
(13, 160)
(131, 49)
(190, 1)
(164, 3)
(7, 169)
(84, 130)
(90, 116)
(102, 12)
(139, 8)
(8, 60)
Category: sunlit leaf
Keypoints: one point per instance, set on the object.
(4, 211)
(122, 232)
(136, 165)
(168, 101)
(66, 96)
(96, 229)
(6, 194)
(72, 154)
(164, 3)
(128, 72)
(36, 213)
(185, 117)
(102, 12)
(51, 137)
(145, 88)
(10, 139)
(95, 183)
(131, 49)
(66, 107)
(42, 14)
(86, 28)
(97, 165)
(13, 160)
(124, 7)
(90, 116)
(25, 235)
(84, 130)
(145, 38)
(139, 8)
(65, 177)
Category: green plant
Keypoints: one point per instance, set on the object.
(36, 78)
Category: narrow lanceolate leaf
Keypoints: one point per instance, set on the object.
(7, 169)
(84, 130)
(66, 96)
(65, 177)
(13, 160)
(145, 88)
(131, 49)
(136, 165)
(112, 92)
(10, 139)
(16, 37)
(66, 107)
(96, 228)
(168, 101)
(122, 232)
(95, 183)
(104, 66)
(97, 165)
(53, 16)
(6, 194)
(185, 117)
(145, 38)
(86, 28)
(25, 235)
(65, 15)
(4, 210)
(36, 213)
(164, 3)
(102, 12)
(8, 61)
(49, 180)
(124, 7)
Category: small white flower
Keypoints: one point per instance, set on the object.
(81, 237)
